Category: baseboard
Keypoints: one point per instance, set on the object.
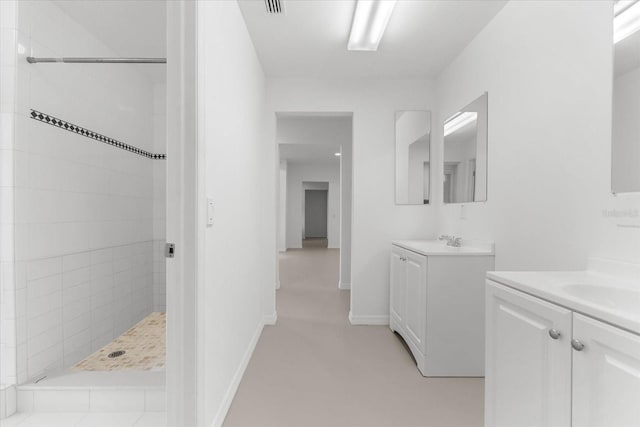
(368, 320)
(270, 319)
(218, 420)
(344, 286)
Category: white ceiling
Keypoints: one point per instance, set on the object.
(131, 28)
(311, 39)
(309, 153)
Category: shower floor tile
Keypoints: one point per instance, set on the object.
(144, 347)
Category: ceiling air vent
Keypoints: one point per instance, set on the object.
(275, 7)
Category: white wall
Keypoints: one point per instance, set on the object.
(240, 177)
(83, 209)
(297, 174)
(376, 220)
(549, 137)
(282, 206)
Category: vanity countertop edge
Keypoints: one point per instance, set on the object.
(437, 248)
(548, 285)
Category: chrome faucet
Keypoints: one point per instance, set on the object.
(452, 240)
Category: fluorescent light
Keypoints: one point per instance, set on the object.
(369, 22)
(458, 121)
(626, 20)
(336, 154)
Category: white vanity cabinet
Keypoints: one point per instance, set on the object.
(408, 298)
(606, 375)
(550, 366)
(528, 373)
(437, 305)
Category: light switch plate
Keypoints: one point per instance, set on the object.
(209, 212)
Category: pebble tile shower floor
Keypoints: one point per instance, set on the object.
(144, 347)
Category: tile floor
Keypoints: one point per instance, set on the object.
(144, 348)
(84, 419)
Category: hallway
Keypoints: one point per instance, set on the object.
(313, 369)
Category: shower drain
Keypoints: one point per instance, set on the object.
(115, 354)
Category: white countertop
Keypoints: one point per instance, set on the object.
(610, 298)
(440, 248)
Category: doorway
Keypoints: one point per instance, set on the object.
(315, 214)
(314, 200)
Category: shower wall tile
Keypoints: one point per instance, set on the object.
(8, 16)
(72, 263)
(76, 347)
(76, 303)
(44, 268)
(155, 401)
(117, 400)
(54, 401)
(89, 218)
(78, 326)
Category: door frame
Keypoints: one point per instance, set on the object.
(183, 214)
(274, 114)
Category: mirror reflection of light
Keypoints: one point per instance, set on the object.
(626, 19)
(458, 121)
(369, 23)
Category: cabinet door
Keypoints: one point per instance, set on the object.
(397, 306)
(416, 314)
(606, 375)
(528, 373)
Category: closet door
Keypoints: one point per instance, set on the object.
(528, 361)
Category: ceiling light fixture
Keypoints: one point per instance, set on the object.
(626, 19)
(336, 154)
(369, 22)
(458, 121)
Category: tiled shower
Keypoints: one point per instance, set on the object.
(82, 193)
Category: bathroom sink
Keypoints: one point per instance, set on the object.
(615, 298)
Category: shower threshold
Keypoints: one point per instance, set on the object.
(134, 381)
(105, 391)
(98, 379)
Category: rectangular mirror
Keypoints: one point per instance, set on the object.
(465, 153)
(413, 142)
(625, 149)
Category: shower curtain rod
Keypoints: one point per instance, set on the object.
(33, 60)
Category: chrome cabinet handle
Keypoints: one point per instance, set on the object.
(554, 333)
(577, 345)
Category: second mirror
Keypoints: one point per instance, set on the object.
(465, 154)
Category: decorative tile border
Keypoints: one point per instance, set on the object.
(62, 124)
